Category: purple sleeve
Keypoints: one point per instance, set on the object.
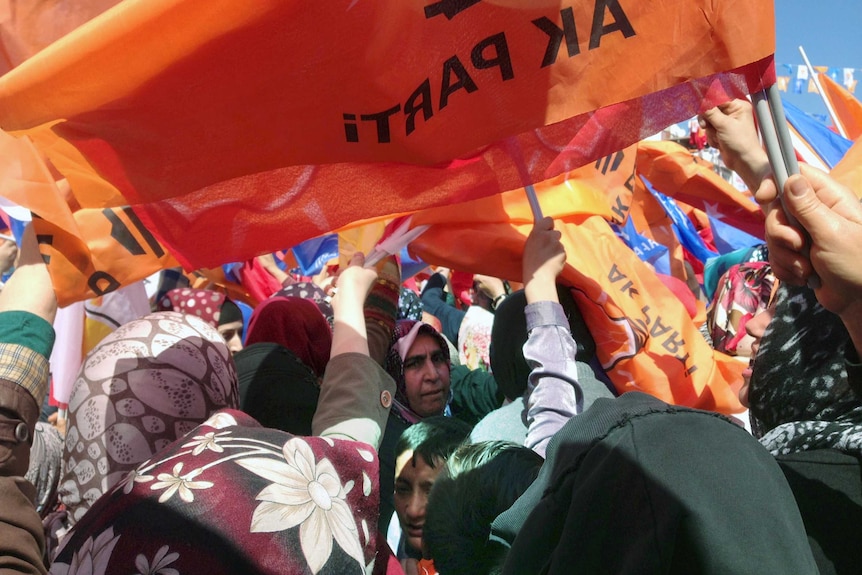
(554, 394)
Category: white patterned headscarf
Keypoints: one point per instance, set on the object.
(139, 389)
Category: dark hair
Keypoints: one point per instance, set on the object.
(433, 438)
(479, 482)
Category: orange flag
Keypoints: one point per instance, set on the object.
(89, 251)
(676, 173)
(849, 170)
(645, 338)
(27, 26)
(266, 123)
(651, 220)
(848, 110)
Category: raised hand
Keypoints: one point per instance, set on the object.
(544, 258)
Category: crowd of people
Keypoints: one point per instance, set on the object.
(371, 428)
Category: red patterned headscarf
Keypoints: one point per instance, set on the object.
(234, 497)
(203, 303)
(743, 292)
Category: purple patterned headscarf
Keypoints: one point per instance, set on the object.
(139, 389)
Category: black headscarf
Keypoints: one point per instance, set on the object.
(276, 388)
(800, 394)
(509, 334)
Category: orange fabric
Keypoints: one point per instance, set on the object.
(275, 121)
(27, 26)
(849, 169)
(847, 108)
(90, 251)
(676, 173)
(644, 335)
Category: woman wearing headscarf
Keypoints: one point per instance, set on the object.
(426, 385)
(805, 400)
(743, 292)
(146, 384)
(804, 388)
(234, 497)
(211, 306)
(295, 324)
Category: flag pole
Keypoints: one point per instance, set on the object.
(534, 202)
(514, 150)
(816, 80)
(770, 138)
(779, 150)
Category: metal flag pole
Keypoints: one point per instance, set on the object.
(779, 150)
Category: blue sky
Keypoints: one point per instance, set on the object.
(831, 33)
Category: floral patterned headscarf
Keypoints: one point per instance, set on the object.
(234, 497)
(743, 292)
(139, 389)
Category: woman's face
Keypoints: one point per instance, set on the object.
(754, 329)
(426, 376)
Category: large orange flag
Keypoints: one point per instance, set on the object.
(848, 110)
(644, 336)
(263, 124)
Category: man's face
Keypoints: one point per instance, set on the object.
(8, 253)
(413, 481)
(426, 377)
(232, 334)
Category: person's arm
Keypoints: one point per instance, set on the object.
(832, 216)
(356, 391)
(434, 302)
(27, 309)
(554, 395)
(492, 288)
(731, 130)
(268, 263)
